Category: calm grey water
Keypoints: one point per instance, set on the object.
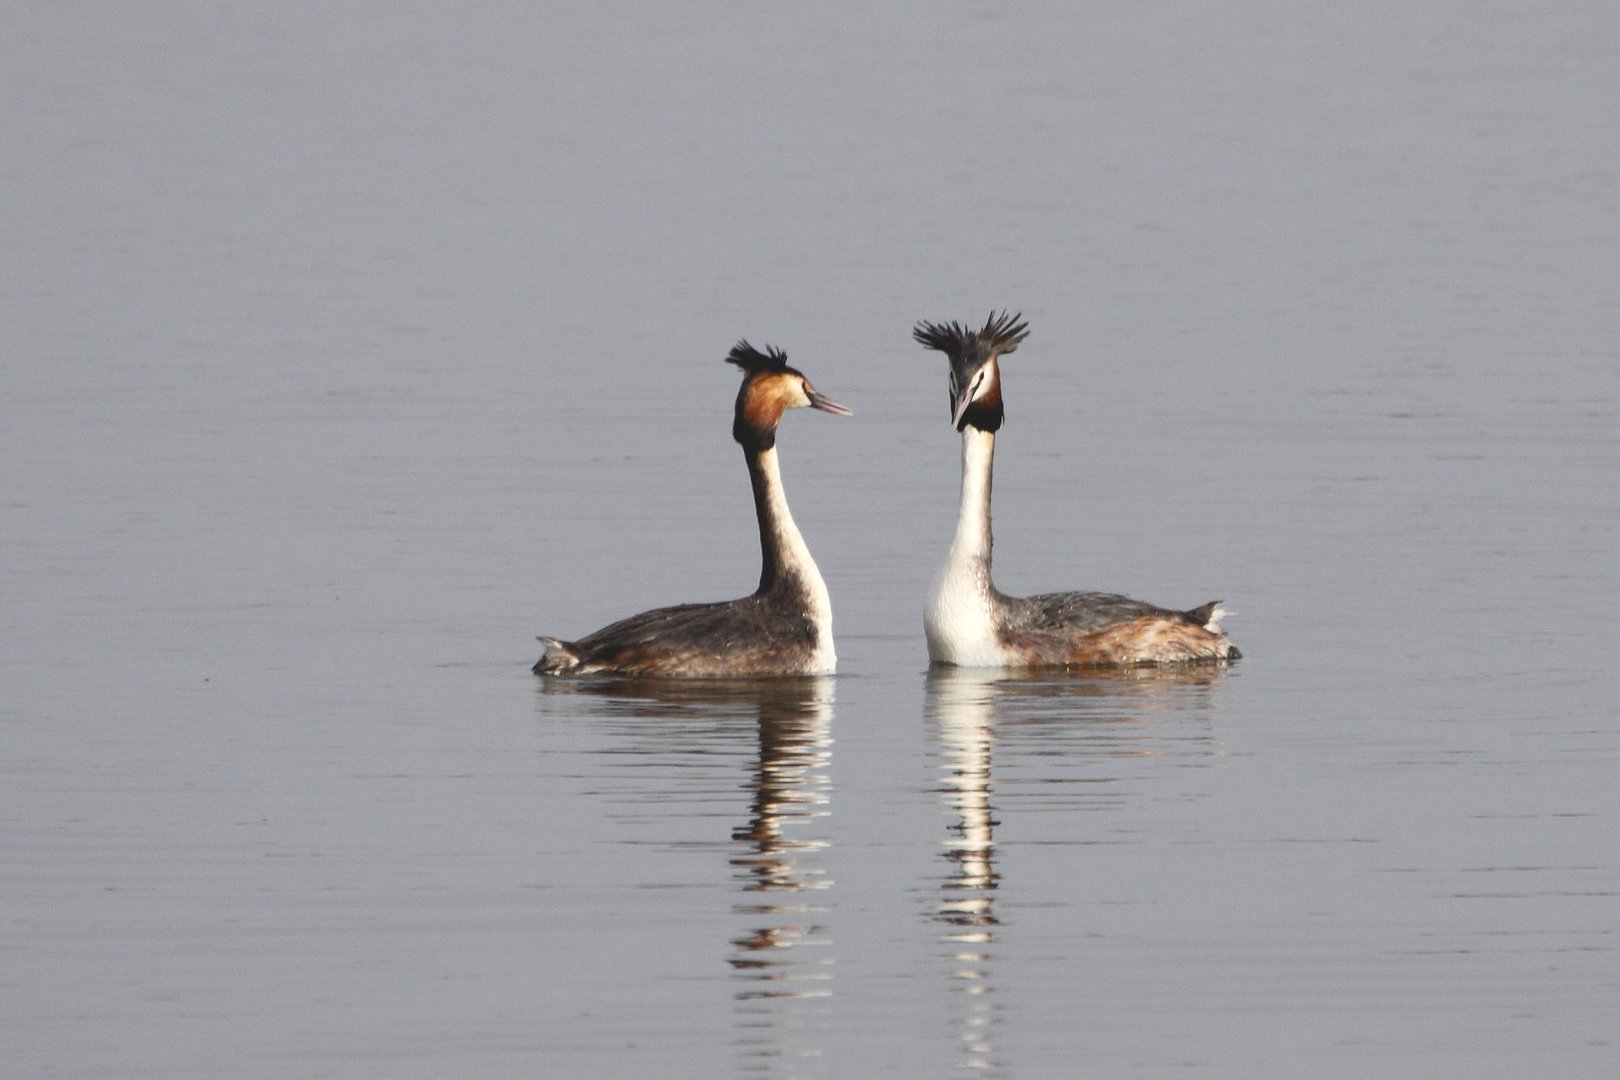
(346, 347)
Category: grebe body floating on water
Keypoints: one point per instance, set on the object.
(972, 624)
(785, 626)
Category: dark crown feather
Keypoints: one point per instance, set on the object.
(752, 361)
(1001, 335)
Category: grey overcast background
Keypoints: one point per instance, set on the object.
(346, 346)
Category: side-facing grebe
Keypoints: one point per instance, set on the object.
(785, 627)
(969, 622)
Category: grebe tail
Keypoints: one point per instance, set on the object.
(560, 656)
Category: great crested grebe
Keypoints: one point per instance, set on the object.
(785, 627)
(969, 622)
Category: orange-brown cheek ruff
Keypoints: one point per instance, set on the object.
(765, 402)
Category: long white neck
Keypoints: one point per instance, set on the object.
(959, 618)
(785, 561)
(972, 540)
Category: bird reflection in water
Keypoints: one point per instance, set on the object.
(781, 956)
(963, 708)
(791, 789)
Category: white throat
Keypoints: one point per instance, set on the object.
(959, 618)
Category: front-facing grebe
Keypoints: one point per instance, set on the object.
(785, 626)
(969, 622)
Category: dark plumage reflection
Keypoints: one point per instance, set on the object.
(780, 949)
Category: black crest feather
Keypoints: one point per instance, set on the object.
(1001, 334)
(752, 361)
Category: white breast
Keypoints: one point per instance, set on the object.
(958, 619)
(824, 661)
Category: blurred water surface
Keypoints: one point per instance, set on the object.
(349, 347)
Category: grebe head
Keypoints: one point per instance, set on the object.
(975, 376)
(769, 389)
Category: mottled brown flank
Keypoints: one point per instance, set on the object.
(1146, 639)
(1092, 629)
(1152, 639)
(763, 634)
